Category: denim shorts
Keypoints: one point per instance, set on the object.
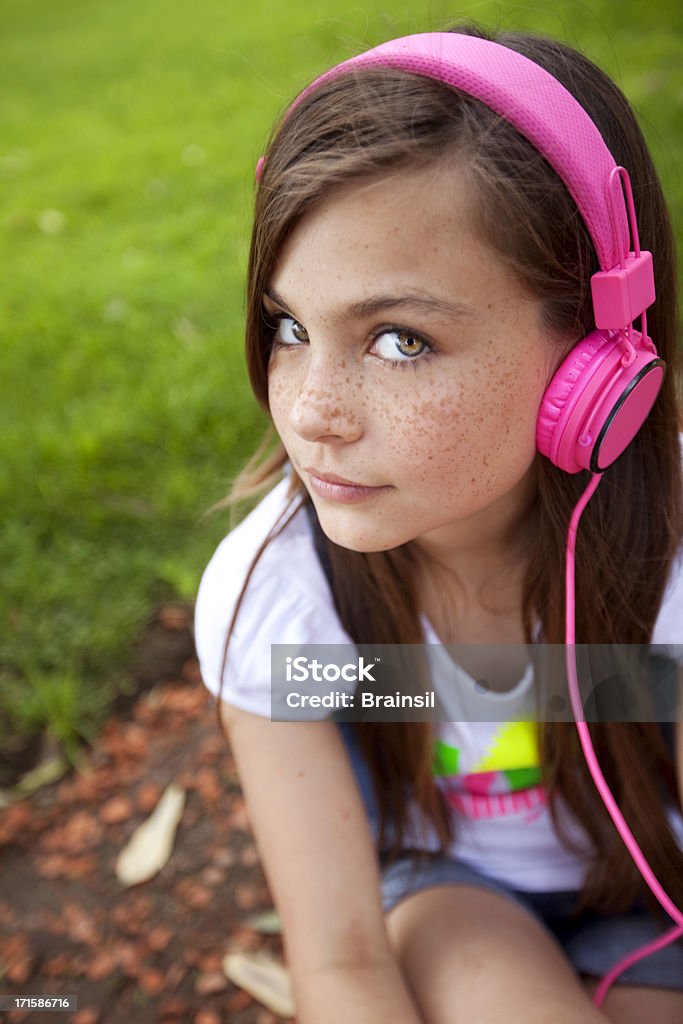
(593, 943)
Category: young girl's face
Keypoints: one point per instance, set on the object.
(407, 360)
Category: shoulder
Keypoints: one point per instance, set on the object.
(668, 628)
(669, 625)
(287, 600)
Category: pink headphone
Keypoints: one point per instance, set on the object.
(603, 391)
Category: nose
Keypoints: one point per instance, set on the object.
(327, 405)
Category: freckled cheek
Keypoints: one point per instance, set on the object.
(418, 433)
(282, 390)
(507, 389)
(488, 418)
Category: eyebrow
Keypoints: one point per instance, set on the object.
(364, 308)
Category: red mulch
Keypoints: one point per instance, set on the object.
(152, 952)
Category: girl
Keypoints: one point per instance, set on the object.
(418, 273)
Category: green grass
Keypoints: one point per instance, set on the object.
(128, 140)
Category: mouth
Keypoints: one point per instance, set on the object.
(332, 478)
(338, 488)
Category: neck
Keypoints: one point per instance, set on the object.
(488, 548)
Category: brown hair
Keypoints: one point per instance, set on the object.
(360, 125)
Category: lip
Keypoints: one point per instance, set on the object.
(337, 488)
(332, 478)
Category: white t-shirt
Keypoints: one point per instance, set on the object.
(488, 770)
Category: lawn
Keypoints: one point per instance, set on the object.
(129, 134)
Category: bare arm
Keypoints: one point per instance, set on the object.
(317, 851)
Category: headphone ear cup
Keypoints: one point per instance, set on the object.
(594, 405)
(560, 389)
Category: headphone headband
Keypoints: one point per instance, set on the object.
(532, 100)
(545, 113)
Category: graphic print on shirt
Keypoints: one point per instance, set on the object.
(497, 776)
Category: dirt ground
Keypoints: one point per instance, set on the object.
(152, 952)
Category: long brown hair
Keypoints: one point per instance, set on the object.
(360, 125)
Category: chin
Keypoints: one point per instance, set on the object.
(362, 538)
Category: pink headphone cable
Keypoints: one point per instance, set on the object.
(598, 777)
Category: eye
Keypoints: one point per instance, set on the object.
(286, 330)
(397, 344)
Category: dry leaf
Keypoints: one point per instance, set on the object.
(50, 766)
(150, 846)
(267, 922)
(44, 774)
(8, 797)
(264, 978)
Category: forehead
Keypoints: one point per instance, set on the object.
(405, 204)
(408, 230)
